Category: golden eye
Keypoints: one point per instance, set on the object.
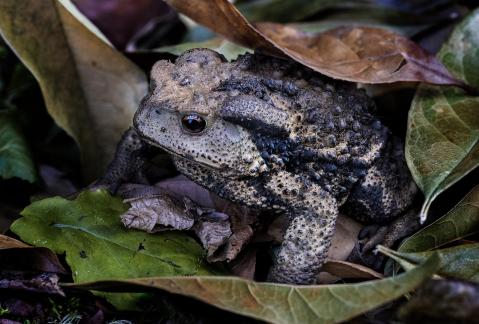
(193, 123)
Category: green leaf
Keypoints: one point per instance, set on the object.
(460, 54)
(97, 246)
(459, 222)
(90, 89)
(15, 157)
(460, 262)
(442, 142)
(278, 303)
(230, 50)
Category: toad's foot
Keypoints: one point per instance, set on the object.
(387, 235)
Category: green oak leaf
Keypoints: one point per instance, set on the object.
(15, 156)
(279, 303)
(97, 247)
(442, 141)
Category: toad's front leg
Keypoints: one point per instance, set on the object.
(130, 156)
(312, 213)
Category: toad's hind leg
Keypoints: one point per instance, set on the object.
(386, 191)
(384, 197)
(312, 213)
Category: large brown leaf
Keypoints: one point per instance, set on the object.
(279, 303)
(358, 54)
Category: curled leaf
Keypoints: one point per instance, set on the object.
(358, 54)
(153, 214)
(168, 206)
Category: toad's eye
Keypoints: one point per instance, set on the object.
(193, 123)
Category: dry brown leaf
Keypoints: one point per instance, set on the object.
(344, 269)
(154, 214)
(7, 242)
(241, 219)
(344, 238)
(223, 228)
(16, 255)
(213, 234)
(244, 265)
(358, 54)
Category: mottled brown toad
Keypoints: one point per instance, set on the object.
(273, 135)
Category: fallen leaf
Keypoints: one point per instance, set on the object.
(389, 11)
(344, 238)
(279, 303)
(242, 220)
(121, 20)
(459, 222)
(442, 142)
(461, 262)
(442, 301)
(344, 269)
(228, 49)
(15, 156)
(459, 54)
(358, 54)
(97, 246)
(28, 282)
(90, 89)
(7, 242)
(16, 255)
(244, 265)
(155, 214)
(213, 235)
(157, 208)
(285, 11)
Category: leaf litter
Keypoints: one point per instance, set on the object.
(357, 54)
(394, 59)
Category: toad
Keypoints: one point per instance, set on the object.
(273, 135)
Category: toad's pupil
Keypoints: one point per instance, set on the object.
(193, 123)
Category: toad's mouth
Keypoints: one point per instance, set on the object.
(188, 157)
